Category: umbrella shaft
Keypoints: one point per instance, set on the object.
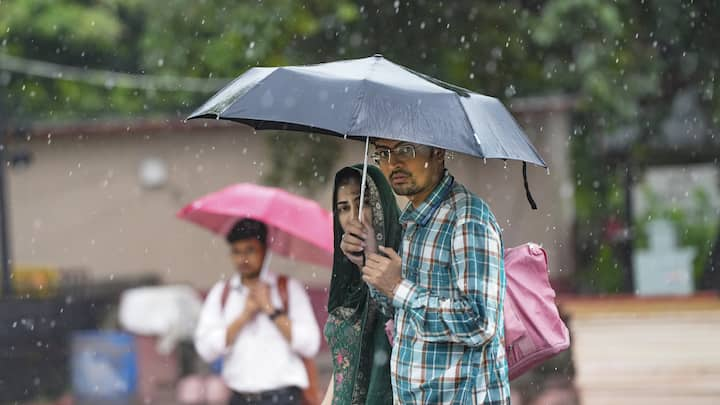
(364, 178)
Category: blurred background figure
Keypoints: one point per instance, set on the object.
(261, 336)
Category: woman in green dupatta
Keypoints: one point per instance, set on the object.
(355, 329)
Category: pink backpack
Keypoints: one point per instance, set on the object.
(534, 331)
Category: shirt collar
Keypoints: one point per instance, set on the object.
(422, 214)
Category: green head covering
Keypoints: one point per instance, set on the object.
(356, 326)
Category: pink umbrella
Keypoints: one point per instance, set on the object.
(298, 228)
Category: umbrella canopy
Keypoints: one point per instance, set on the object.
(372, 97)
(298, 228)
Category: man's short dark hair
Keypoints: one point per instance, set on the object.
(247, 229)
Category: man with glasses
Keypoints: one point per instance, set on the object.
(447, 284)
(245, 322)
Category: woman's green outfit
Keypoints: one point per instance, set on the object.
(355, 329)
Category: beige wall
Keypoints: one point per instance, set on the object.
(80, 203)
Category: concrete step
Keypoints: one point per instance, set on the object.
(647, 351)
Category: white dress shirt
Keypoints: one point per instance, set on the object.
(260, 359)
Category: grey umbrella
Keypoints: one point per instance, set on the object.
(373, 97)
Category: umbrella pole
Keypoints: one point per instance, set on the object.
(364, 178)
(362, 189)
(6, 287)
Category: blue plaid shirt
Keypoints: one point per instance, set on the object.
(449, 341)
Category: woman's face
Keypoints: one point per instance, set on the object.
(348, 204)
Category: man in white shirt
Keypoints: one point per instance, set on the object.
(244, 321)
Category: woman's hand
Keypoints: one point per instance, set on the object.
(371, 245)
(353, 242)
(358, 240)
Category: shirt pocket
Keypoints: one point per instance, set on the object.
(435, 272)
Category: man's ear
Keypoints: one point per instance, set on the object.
(439, 154)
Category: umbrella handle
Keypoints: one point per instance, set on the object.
(364, 178)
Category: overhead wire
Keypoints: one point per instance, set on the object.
(109, 79)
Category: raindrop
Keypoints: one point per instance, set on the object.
(380, 357)
(510, 91)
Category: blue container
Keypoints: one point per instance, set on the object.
(216, 366)
(104, 366)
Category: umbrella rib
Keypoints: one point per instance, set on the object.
(469, 122)
(360, 97)
(248, 90)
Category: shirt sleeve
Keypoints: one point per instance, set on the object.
(471, 317)
(211, 329)
(384, 302)
(304, 327)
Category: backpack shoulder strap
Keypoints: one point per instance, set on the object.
(225, 293)
(282, 283)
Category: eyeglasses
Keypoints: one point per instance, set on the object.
(401, 153)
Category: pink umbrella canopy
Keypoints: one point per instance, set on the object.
(298, 228)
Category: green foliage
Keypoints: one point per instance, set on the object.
(206, 38)
(625, 59)
(605, 273)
